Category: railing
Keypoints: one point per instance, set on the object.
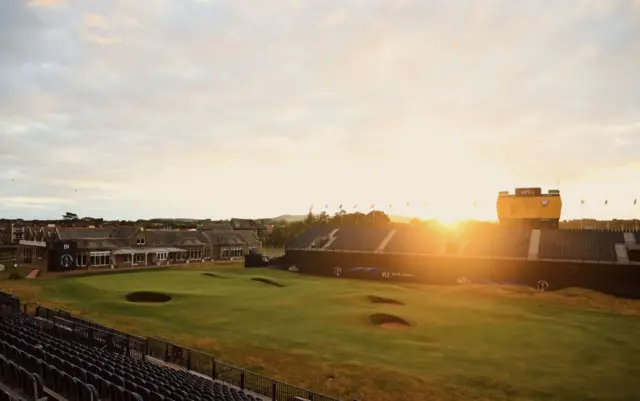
(207, 365)
(70, 327)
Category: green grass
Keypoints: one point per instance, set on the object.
(466, 342)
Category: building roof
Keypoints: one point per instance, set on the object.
(230, 237)
(130, 251)
(163, 237)
(102, 243)
(127, 231)
(246, 224)
(123, 232)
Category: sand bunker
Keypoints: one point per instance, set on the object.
(267, 281)
(389, 321)
(380, 300)
(148, 297)
(213, 275)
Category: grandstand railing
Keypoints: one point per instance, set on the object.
(65, 325)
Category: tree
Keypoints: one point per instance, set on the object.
(69, 216)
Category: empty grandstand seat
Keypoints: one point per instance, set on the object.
(358, 238)
(580, 245)
(83, 373)
(420, 240)
(495, 241)
(306, 239)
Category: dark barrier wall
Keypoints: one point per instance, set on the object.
(614, 279)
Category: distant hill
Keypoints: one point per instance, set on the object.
(289, 218)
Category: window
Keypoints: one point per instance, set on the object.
(140, 240)
(99, 258)
(128, 258)
(254, 248)
(232, 252)
(194, 254)
(81, 259)
(206, 253)
(162, 255)
(139, 258)
(180, 256)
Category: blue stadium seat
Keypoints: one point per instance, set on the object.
(32, 358)
(358, 238)
(583, 245)
(495, 241)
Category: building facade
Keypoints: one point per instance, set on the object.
(67, 248)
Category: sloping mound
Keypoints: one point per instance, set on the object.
(388, 321)
(267, 281)
(148, 297)
(213, 275)
(380, 300)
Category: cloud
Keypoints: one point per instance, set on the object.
(24, 201)
(92, 20)
(102, 40)
(46, 3)
(152, 108)
(336, 17)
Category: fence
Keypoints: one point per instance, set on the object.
(87, 332)
(206, 364)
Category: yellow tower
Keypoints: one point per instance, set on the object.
(529, 207)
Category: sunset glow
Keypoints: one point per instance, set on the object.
(205, 109)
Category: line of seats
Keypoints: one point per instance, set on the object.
(415, 240)
(4, 396)
(488, 241)
(12, 374)
(82, 373)
(359, 238)
(579, 245)
(305, 239)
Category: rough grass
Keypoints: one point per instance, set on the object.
(466, 342)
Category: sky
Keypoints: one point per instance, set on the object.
(213, 109)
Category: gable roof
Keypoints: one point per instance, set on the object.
(246, 224)
(163, 237)
(127, 231)
(122, 232)
(230, 237)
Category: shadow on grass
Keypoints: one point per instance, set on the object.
(213, 275)
(387, 321)
(267, 281)
(380, 300)
(148, 297)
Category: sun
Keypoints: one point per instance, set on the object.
(448, 222)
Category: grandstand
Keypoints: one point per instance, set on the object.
(525, 247)
(53, 355)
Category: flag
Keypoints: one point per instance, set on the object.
(389, 206)
(475, 204)
(426, 204)
(372, 206)
(340, 206)
(582, 202)
(311, 208)
(355, 206)
(635, 201)
(606, 202)
(407, 204)
(326, 207)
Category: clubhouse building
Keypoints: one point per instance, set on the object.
(66, 248)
